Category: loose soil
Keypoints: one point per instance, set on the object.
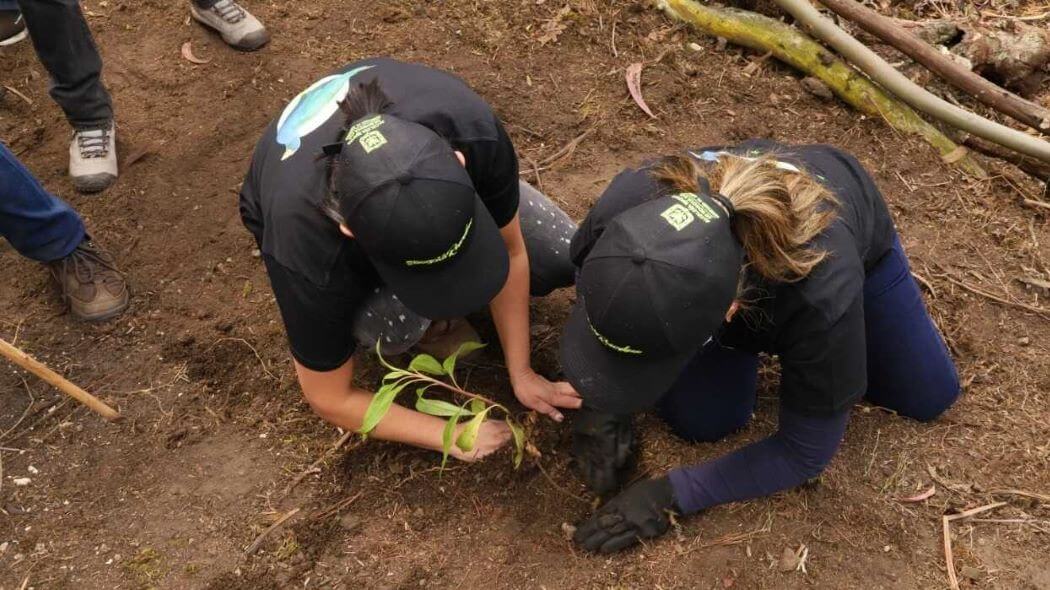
(216, 428)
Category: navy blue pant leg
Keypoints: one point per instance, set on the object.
(714, 396)
(38, 224)
(909, 368)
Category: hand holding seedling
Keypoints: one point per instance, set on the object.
(492, 436)
(536, 392)
(474, 438)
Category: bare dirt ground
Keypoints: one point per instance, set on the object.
(216, 428)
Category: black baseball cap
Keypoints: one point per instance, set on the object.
(653, 290)
(414, 210)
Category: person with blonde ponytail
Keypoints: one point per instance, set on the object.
(692, 265)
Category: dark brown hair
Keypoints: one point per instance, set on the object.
(361, 101)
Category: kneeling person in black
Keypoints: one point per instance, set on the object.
(691, 266)
(386, 195)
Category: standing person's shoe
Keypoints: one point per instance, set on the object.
(239, 29)
(91, 283)
(93, 158)
(12, 27)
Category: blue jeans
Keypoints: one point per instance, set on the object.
(38, 224)
(909, 368)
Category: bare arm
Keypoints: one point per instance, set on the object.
(333, 397)
(510, 312)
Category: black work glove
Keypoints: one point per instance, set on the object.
(604, 448)
(639, 512)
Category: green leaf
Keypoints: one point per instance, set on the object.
(446, 437)
(469, 436)
(379, 406)
(396, 374)
(424, 363)
(519, 441)
(437, 407)
(467, 347)
(476, 406)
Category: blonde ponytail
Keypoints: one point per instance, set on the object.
(777, 212)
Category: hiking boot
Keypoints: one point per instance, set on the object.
(443, 338)
(12, 27)
(93, 158)
(239, 29)
(91, 283)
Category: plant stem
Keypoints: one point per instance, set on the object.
(458, 390)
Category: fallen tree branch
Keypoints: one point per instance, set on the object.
(909, 92)
(1030, 166)
(950, 71)
(798, 50)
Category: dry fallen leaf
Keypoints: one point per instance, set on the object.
(634, 86)
(555, 26)
(187, 54)
(920, 497)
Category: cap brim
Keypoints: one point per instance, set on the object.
(463, 285)
(610, 381)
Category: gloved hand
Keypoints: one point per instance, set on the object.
(604, 448)
(639, 512)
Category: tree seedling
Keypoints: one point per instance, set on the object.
(425, 373)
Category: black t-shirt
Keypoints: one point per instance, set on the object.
(319, 277)
(816, 325)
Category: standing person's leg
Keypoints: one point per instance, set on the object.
(44, 228)
(39, 225)
(238, 28)
(547, 232)
(910, 369)
(64, 45)
(714, 396)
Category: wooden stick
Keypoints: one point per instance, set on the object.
(40, 370)
(952, 72)
(1041, 497)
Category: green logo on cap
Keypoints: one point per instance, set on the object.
(609, 344)
(678, 216)
(372, 140)
(448, 253)
(362, 127)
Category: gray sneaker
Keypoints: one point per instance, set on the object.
(93, 159)
(239, 29)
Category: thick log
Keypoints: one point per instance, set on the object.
(801, 52)
(950, 71)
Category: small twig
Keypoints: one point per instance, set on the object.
(248, 344)
(24, 414)
(1043, 313)
(337, 507)
(566, 150)
(1041, 497)
(925, 283)
(313, 468)
(273, 527)
(1036, 204)
(946, 521)
(19, 94)
(551, 481)
(1031, 17)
